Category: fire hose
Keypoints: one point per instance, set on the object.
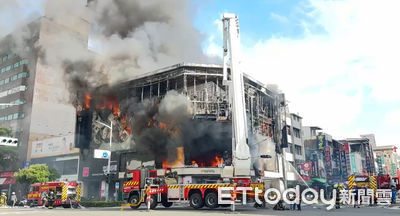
(140, 200)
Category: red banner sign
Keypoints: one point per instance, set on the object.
(306, 166)
(85, 171)
(6, 174)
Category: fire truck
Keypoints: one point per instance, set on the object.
(167, 188)
(67, 193)
(373, 181)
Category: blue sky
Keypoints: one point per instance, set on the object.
(336, 61)
(258, 19)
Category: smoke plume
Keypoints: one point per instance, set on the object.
(159, 126)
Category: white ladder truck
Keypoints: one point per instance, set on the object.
(147, 186)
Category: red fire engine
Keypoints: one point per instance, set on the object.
(199, 192)
(67, 193)
(163, 190)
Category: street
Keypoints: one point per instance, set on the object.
(183, 211)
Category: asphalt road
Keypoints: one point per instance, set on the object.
(184, 211)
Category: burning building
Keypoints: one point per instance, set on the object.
(177, 117)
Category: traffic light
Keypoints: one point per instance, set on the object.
(110, 178)
(8, 141)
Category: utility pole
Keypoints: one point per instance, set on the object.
(108, 173)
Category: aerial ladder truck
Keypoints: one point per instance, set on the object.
(145, 186)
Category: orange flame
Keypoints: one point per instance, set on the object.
(217, 161)
(179, 159)
(87, 100)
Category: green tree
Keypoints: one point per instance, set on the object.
(8, 158)
(8, 154)
(36, 173)
(6, 132)
(54, 175)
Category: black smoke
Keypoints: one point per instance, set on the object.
(202, 139)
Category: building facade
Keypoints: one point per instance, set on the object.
(178, 116)
(41, 116)
(328, 157)
(361, 157)
(386, 158)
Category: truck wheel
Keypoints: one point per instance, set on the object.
(153, 201)
(211, 200)
(164, 201)
(167, 204)
(134, 199)
(196, 201)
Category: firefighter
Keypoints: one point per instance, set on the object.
(13, 199)
(51, 197)
(3, 200)
(338, 188)
(394, 194)
(355, 194)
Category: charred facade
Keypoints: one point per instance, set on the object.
(179, 116)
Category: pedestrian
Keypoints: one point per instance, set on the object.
(355, 194)
(292, 197)
(394, 195)
(299, 199)
(13, 199)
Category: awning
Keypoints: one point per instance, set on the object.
(7, 181)
(319, 180)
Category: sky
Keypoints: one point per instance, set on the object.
(336, 61)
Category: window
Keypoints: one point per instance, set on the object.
(3, 70)
(7, 80)
(9, 67)
(15, 77)
(9, 117)
(296, 132)
(16, 65)
(4, 58)
(19, 101)
(23, 62)
(298, 150)
(22, 75)
(1, 82)
(15, 116)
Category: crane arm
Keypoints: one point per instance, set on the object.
(235, 84)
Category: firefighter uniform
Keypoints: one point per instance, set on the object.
(51, 197)
(3, 199)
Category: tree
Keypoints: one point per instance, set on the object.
(5, 132)
(54, 175)
(8, 158)
(8, 154)
(36, 173)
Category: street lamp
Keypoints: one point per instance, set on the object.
(109, 158)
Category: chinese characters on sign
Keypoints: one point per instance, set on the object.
(365, 196)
